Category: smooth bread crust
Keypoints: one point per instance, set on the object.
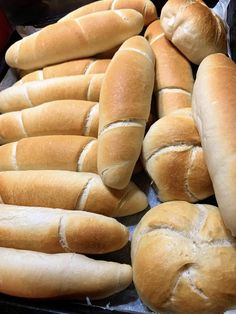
(184, 260)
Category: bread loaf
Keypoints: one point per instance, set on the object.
(74, 39)
(173, 157)
(145, 7)
(193, 28)
(125, 103)
(52, 230)
(174, 79)
(214, 111)
(62, 152)
(75, 67)
(79, 87)
(31, 274)
(68, 117)
(69, 190)
(184, 260)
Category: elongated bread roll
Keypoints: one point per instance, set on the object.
(69, 190)
(193, 28)
(125, 103)
(31, 274)
(31, 94)
(74, 39)
(62, 152)
(52, 230)
(174, 78)
(214, 110)
(145, 7)
(75, 67)
(68, 117)
(184, 260)
(173, 157)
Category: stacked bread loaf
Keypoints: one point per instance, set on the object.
(73, 128)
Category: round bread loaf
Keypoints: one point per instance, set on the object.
(184, 260)
(193, 28)
(173, 157)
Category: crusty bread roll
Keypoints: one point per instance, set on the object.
(214, 111)
(74, 67)
(31, 94)
(69, 190)
(184, 260)
(125, 102)
(145, 7)
(74, 39)
(68, 117)
(193, 28)
(174, 78)
(62, 152)
(173, 157)
(52, 230)
(31, 274)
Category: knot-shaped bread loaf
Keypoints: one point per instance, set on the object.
(173, 157)
(184, 260)
(193, 28)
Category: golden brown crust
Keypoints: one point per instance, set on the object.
(215, 114)
(184, 268)
(193, 28)
(56, 231)
(46, 47)
(69, 190)
(173, 157)
(125, 103)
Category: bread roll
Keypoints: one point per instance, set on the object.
(52, 230)
(193, 28)
(74, 39)
(214, 111)
(75, 67)
(125, 103)
(62, 152)
(31, 274)
(69, 190)
(184, 260)
(68, 117)
(174, 78)
(31, 94)
(173, 157)
(145, 7)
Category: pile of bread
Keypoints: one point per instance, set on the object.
(72, 130)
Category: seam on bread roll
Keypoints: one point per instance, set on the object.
(90, 87)
(21, 123)
(83, 154)
(13, 156)
(138, 51)
(83, 196)
(89, 119)
(40, 75)
(173, 90)
(77, 21)
(123, 124)
(26, 94)
(121, 15)
(62, 235)
(156, 38)
(168, 149)
(123, 200)
(89, 66)
(112, 7)
(202, 218)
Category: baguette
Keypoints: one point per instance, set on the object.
(62, 152)
(145, 7)
(74, 39)
(52, 230)
(75, 67)
(125, 103)
(69, 190)
(79, 87)
(31, 274)
(214, 111)
(174, 78)
(68, 117)
(193, 28)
